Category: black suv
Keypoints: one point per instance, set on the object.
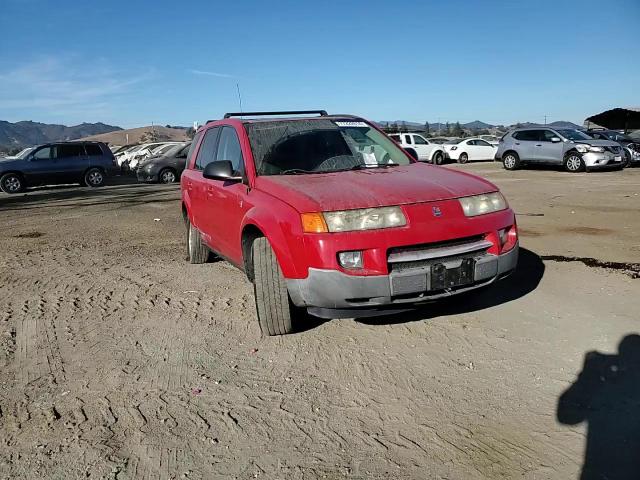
(57, 163)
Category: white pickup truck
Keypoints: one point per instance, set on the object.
(420, 148)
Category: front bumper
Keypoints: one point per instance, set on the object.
(594, 160)
(338, 291)
(145, 176)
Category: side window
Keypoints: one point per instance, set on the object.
(93, 150)
(69, 150)
(43, 154)
(229, 149)
(472, 142)
(207, 149)
(395, 138)
(482, 143)
(527, 135)
(547, 135)
(407, 139)
(419, 140)
(194, 144)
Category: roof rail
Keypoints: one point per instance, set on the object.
(322, 113)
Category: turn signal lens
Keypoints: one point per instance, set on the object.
(313, 223)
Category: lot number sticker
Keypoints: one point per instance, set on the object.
(351, 124)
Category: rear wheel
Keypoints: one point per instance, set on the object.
(11, 183)
(167, 176)
(438, 158)
(463, 158)
(573, 162)
(94, 177)
(197, 251)
(275, 310)
(510, 161)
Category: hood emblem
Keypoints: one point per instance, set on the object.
(436, 211)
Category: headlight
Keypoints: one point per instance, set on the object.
(354, 220)
(454, 148)
(481, 204)
(582, 148)
(596, 149)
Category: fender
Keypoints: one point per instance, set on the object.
(434, 151)
(280, 223)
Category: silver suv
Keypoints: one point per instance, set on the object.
(570, 148)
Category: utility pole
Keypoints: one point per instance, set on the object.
(545, 119)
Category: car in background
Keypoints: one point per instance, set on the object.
(327, 215)
(631, 146)
(88, 163)
(570, 148)
(470, 149)
(419, 147)
(145, 152)
(492, 139)
(439, 140)
(164, 168)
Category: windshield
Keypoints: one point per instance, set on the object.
(24, 152)
(573, 134)
(320, 146)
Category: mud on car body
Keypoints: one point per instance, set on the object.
(327, 215)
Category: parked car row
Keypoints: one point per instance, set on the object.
(572, 149)
(129, 157)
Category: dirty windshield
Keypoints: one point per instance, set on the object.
(320, 146)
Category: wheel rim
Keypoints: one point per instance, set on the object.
(463, 158)
(509, 161)
(438, 158)
(573, 163)
(12, 184)
(168, 177)
(95, 178)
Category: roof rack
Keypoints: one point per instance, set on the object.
(322, 113)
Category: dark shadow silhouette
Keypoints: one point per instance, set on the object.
(606, 395)
(524, 280)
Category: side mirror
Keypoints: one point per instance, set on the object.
(555, 139)
(220, 170)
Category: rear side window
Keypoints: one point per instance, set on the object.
(93, 149)
(69, 150)
(527, 135)
(207, 149)
(395, 137)
(407, 138)
(229, 149)
(194, 144)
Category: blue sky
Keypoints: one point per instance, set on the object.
(131, 63)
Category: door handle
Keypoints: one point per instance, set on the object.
(517, 143)
(538, 144)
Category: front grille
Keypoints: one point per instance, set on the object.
(424, 256)
(615, 150)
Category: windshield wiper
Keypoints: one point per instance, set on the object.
(364, 166)
(296, 171)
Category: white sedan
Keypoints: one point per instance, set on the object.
(471, 149)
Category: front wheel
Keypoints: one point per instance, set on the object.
(273, 305)
(463, 158)
(167, 176)
(11, 183)
(438, 158)
(94, 178)
(573, 162)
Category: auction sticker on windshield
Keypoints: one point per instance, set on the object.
(352, 124)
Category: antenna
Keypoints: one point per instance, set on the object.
(239, 97)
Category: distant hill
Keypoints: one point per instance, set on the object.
(477, 125)
(141, 134)
(27, 133)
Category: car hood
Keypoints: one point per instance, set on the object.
(414, 183)
(599, 143)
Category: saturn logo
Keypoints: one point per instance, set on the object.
(436, 211)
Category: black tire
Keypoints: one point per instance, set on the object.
(413, 153)
(463, 158)
(438, 158)
(273, 305)
(167, 175)
(573, 162)
(511, 161)
(197, 251)
(94, 177)
(11, 183)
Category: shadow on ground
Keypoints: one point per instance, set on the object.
(121, 190)
(606, 395)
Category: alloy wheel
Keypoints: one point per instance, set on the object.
(509, 161)
(95, 178)
(12, 184)
(168, 177)
(574, 163)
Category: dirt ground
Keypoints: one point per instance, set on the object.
(118, 359)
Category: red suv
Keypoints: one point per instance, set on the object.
(327, 214)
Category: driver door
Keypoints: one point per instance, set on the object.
(42, 167)
(548, 151)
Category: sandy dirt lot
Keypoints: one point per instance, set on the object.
(118, 359)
